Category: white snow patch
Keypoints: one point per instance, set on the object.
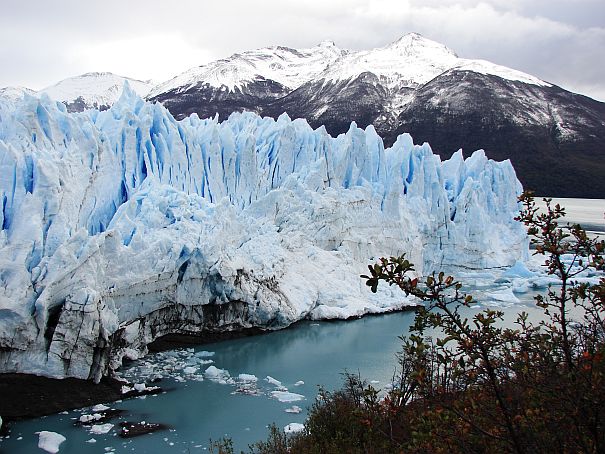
(95, 89)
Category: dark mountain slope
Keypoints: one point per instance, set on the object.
(554, 138)
(207, 101)
(334, 105)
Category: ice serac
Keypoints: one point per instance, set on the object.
(121, 226)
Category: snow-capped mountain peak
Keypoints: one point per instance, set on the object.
(408, 62)
(286, 66)
(327, 44)
(413, 60)
(15, 93)
(94, 89)
(414, 44)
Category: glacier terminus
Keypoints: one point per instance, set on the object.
(121, 226)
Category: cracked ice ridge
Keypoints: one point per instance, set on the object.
(118, 227)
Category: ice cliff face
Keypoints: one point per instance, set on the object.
(118, 227)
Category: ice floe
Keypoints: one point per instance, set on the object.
(294, 427)
(99, 429)
(50, 441)
(286, 396)
(293, 409)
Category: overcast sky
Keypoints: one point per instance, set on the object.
(44, 41)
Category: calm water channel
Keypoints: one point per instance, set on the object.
(313, 353)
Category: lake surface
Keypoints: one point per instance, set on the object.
(309, 352)
(316, 353)
(589, 213)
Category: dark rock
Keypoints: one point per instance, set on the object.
(29, 396)
(134, 429)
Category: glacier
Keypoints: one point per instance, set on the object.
(121, 226)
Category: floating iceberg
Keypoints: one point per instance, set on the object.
(100, 429)
(50, 441)
(286, 396)
(121, 226)
(294, 427)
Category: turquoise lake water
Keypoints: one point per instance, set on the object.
(316, 353)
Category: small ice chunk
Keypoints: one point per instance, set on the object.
(88, 418)
(505, 295)
(140, 387)
(520, 286)
(299, 383)
(294, 427)
(286, 396)
(99, 429)
(293, 409)
(204, 354)
(125, 389)
(100, 407)
(272, 381)
(92, 440)
(50, 441)
(519, 270)
(374, 382)
(190, 370)
(249, 378)
(214, 373)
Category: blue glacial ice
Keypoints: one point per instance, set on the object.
(121, 226)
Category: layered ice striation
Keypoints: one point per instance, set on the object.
(121, 226)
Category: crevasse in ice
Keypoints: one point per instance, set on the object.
(118, 227)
